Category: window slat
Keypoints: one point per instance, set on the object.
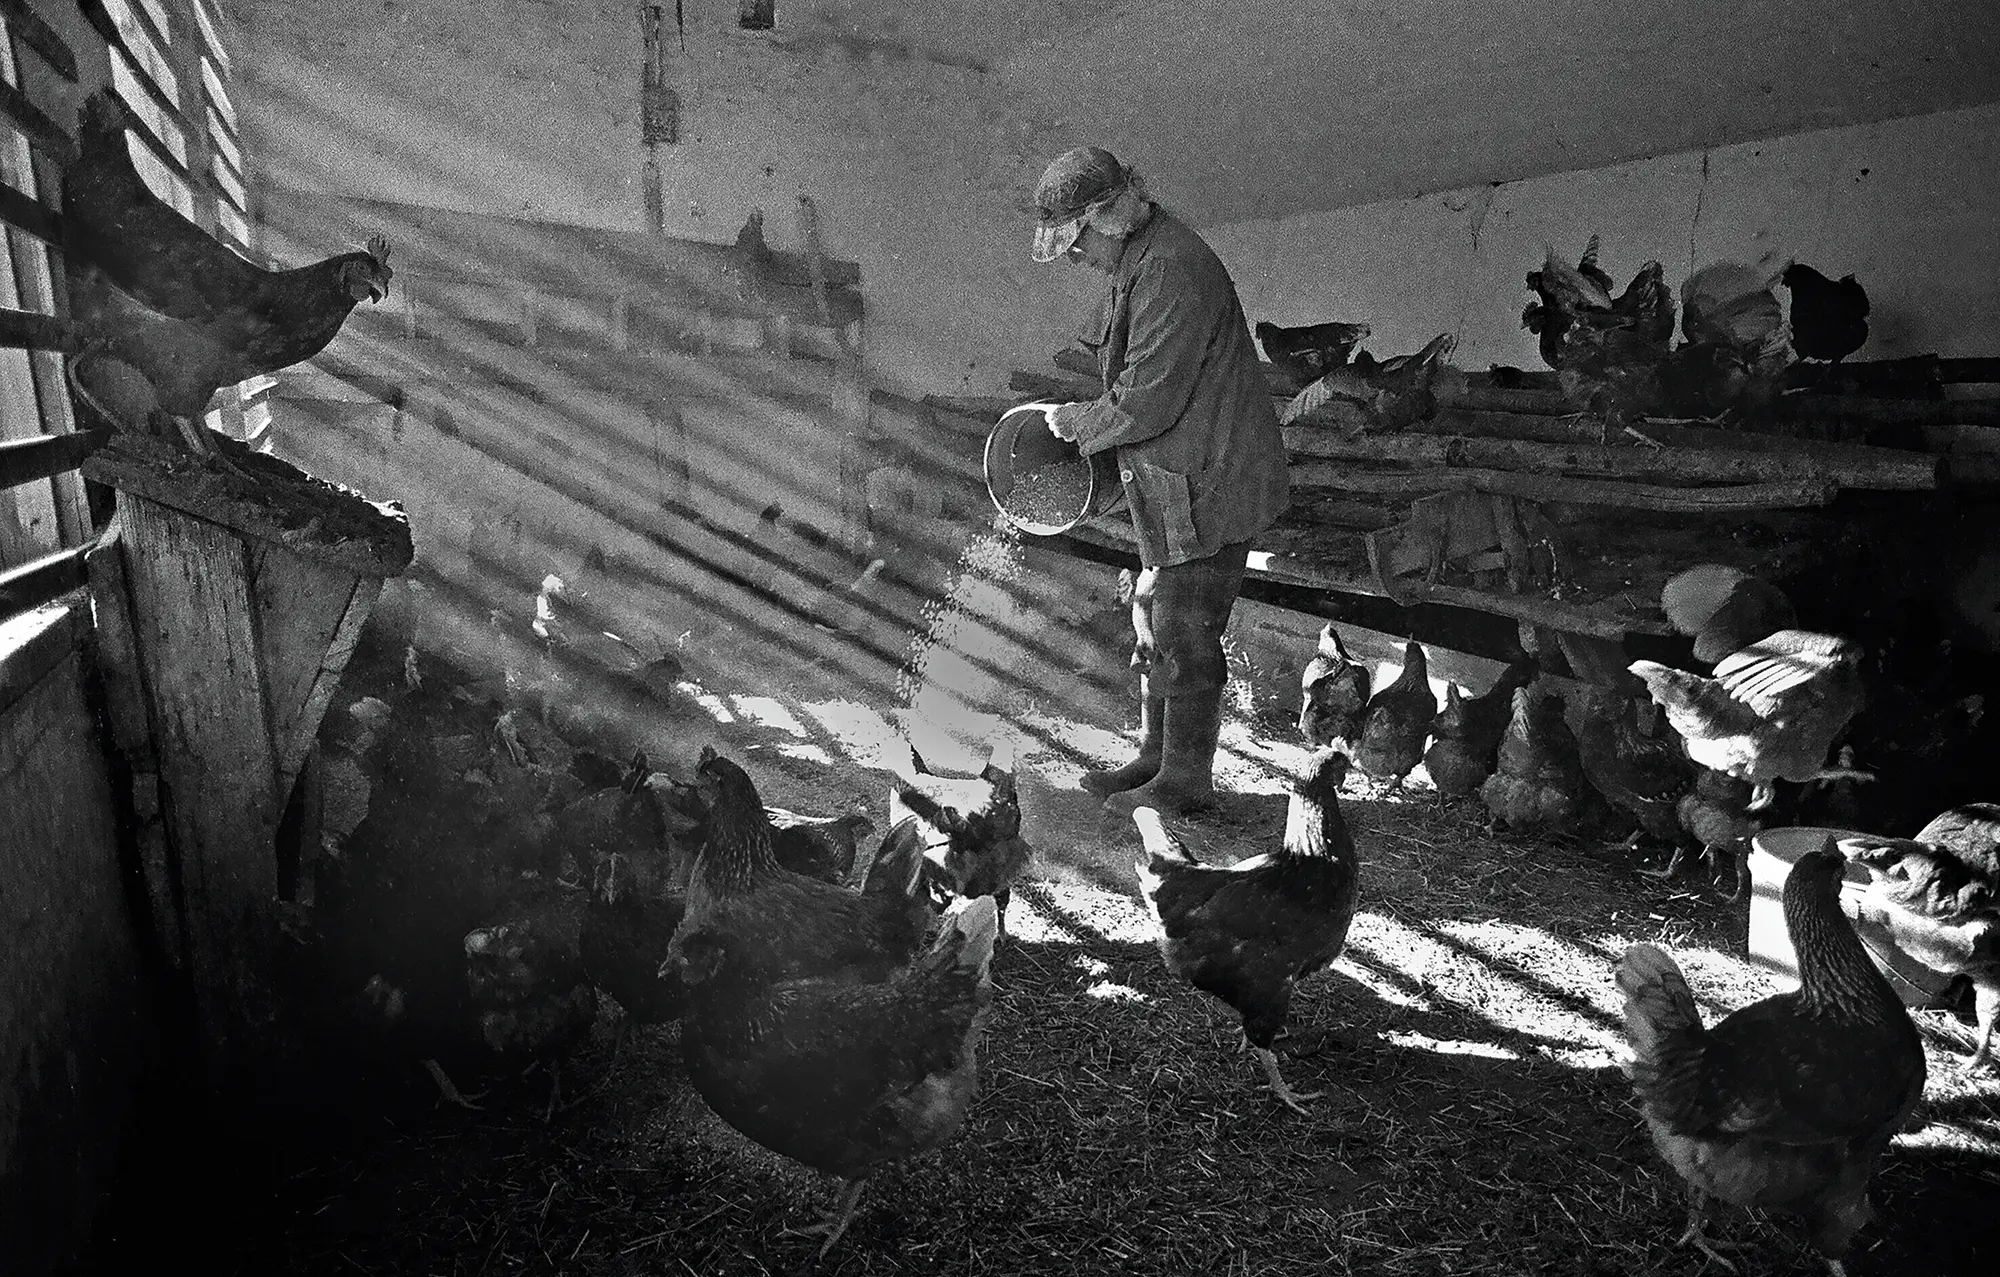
(230, 184)
(225, 145)
(32, 331)
(37, 582)
(34, 123)
(122, 30)
(212, 82)
(30, 215)
(209, 34)
(38, 35)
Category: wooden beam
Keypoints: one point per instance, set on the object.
(26, 460)
(1879, 469)
(1797, 494)
(39, 581)
(31, 330)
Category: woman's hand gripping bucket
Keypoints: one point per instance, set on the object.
(1042, 484)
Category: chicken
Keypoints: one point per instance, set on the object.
(845, 1077)
(1723, 609)
(623, 819)
(750, 257)
(1772, 710)
(1335, 690)
(772, 924)
(528, 995)
(1639, 769)
(1716, 813)
(1393, 393)
(973, 824)
(1829, 317)
(1737, 347)
(1397, 722)
(822, 847)
(1538, 781)
(1247, 933)
(1938, 894)
(158, 294)
(1307, 353)
(113, 222)
(1466, 732)
(1787, 1103)
(1607, 350)
(627, 927)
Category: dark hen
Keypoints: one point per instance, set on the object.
(627, 927)
(773, 924)
(1335, 691)
(972, 823)
(1829, 317)
(1537, 780)
(1311, 351)
(1466, 733)
(844, 1077)
(1637, 764)
(1247, 933)
(1397, 722)
(1788, 1103)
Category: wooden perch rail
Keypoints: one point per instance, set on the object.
(1878, 468)
(1789, 495)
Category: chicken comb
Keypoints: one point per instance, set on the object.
(378, 248)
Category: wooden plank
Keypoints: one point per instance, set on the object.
(26, 460)
(1535, 487)
(26, 213)
(27, 329)
(28, 26)
(131, 730)
(35, 124)
(39, 581)
(193, 608)
(1878, 469)
(34, 643)
(310, 618)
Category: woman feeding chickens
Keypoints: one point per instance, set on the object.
(1186, 409)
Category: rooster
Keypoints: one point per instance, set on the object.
(1247, 933)
(1607, 351)
(1307, 353)
(1786, 1103)
(1829, 317)
(1737, 347)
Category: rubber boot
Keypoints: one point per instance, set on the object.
(1186, 779)
(1143, 768)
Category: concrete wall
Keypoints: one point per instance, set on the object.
(919, 129)
(72, 1028)
(1905, 206)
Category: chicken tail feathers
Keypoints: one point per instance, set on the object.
(898, 866)
(970, 928)
(1662, 1023)
(1663, 682)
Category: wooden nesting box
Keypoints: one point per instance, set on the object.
(229, 606)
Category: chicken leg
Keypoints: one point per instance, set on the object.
(836, 1223)
(447, 1089)
(1696, 1236)
(1291, 1099)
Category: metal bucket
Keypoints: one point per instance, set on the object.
(1042, 484)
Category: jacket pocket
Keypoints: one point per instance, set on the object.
(1162, 508)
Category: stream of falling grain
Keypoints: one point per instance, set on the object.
(948, 672)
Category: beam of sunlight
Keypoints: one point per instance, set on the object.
(770, 712)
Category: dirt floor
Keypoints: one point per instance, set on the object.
(1473, 1119)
